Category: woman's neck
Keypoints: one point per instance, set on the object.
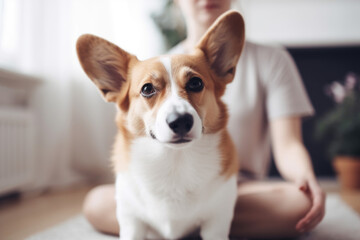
(194, 34)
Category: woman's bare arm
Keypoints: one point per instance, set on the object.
(294, 164)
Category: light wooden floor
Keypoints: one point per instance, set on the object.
(22, 217)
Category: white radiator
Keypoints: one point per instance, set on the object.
(16, 149)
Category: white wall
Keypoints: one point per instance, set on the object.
(303, 23)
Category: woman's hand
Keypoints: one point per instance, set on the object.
(317, 211)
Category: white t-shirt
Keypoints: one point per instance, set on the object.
(266, 86)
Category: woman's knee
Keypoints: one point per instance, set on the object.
(99, 208)
(298, 202)
(270, 210)
(294, 206)
(95, 202)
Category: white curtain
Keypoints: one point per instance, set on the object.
(75, 126)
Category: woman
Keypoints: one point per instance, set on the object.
(266, 102)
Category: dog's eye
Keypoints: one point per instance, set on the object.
(148, 90)
(195, 84)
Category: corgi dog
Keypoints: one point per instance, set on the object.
(175, 164)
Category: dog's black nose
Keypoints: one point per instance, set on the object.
(180, 123)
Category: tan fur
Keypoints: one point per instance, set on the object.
(105, 64)
(230, 163)
(224, 38)
(120, 158)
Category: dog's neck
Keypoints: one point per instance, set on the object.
(183, 168)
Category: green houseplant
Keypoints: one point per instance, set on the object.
(340, 130)
(171, 24)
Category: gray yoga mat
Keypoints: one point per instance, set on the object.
(340, 223)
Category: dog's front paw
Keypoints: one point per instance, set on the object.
(132, 230)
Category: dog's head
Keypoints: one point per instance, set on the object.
(173, 99)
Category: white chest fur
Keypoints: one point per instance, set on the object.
(173, 191)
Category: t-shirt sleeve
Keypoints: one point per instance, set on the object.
(284, 89)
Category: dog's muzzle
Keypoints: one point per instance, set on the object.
(180, 124)
(176, 122)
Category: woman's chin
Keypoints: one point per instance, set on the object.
(207, 17)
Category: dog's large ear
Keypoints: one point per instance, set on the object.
(105, 64)
(222, 44)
